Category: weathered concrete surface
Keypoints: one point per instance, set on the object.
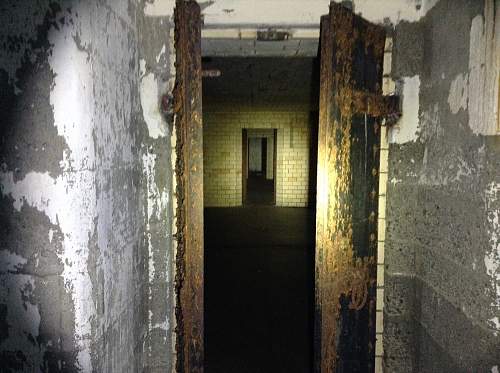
(157, 75)
(85, 175)
(442, 292)
(85, 182)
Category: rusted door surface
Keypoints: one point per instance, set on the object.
(189, 177)
(351, 55)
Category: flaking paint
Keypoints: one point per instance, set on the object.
(492, 256)
(150, 105)
(459, 93)
(94, 205)
(406, 130)
(484, 63)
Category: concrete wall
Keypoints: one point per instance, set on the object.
(222, 148)
(85, 182)
(442, 249)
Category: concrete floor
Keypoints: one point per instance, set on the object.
(259, 294)
(260, 191)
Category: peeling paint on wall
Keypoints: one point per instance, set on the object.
(222, 13)
(484, 69)
(459, 93)
(88, 196)
(72, 93)
(53, 197)
(150, 103)
(294, 13)
(157, 208)
(273, 12)
(441, 246)
(492, 257)
(157, 78)
(407, 128)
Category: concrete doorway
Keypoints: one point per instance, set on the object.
(345, 255)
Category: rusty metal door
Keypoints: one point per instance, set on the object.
(189, 177)
(351, 55)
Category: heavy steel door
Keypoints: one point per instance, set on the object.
(351, 101)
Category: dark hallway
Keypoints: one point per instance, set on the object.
(259, 220)
(259, 276)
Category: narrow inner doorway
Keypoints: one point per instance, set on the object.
(260, 142)
(259, 170)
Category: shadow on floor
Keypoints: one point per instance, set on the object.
(260, 191)
(259, 292)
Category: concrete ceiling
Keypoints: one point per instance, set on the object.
(261, 81)
(255, 48)
(260, 42)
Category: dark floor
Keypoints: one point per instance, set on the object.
(260, 191)
(259, 268)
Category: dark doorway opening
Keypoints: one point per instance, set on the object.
(259, 172)
(259, 254)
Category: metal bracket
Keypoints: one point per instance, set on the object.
(387, 107)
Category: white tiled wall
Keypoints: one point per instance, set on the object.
(223, 152)
(388, 88)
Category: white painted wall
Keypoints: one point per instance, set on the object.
(222, 147)
(406, 129)
(302, 13)
(484, 69)
(255, 154)
(293, 13)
